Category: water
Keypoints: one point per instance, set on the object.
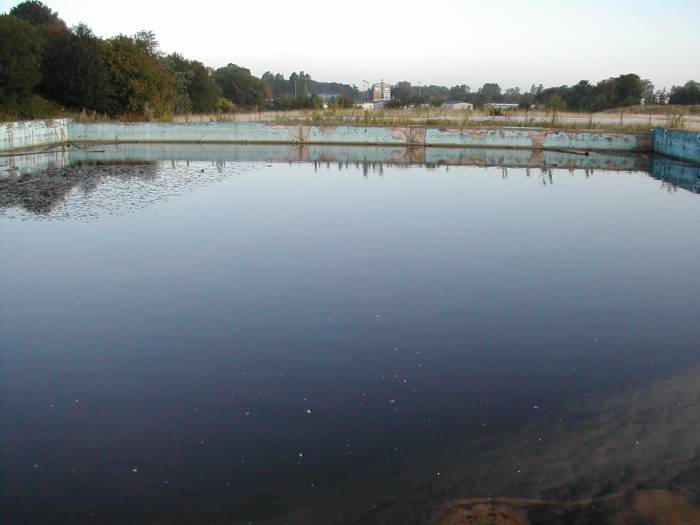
(265, 341)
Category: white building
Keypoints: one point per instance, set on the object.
(452, 104)
(500, 105)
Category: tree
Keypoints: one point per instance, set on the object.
(240, 87)
(686, 94)
(459, 92)
(20, 60)
(147, 42)
(556, 103)
(195, 91)
(628, 90)
(37, 14)
(204, 92)
(76, 72)
(490, 92)
(648, 92)
(404, 93)
(140, 83)
(342, 101)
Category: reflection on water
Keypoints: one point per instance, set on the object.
(277, 334)
(83, 181)
(88, 190)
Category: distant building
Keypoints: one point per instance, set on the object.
(452, 104)
(501, 105)
(381, 92)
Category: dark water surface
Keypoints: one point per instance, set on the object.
(234, 342)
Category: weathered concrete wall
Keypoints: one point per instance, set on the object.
(182, 132)
(365, 135)
(29, 134)
(36, 133)
(677, 143)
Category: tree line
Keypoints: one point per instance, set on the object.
(45, 65)
(621, 91)
(43, 62)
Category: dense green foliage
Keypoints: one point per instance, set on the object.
(625, 90)
(687, 94)
(42, 61)
(141, 84)
(76, 71)
(20, 61)
(37, 14)
(239, 86)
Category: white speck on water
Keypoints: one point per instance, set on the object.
(301, 455)
(134, 470)
(308, 411)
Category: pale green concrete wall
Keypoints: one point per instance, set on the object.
(365, 135)
(32, 133)
(28, 134)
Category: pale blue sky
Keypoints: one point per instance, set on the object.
(514, 43)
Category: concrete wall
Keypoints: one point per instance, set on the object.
(365, 135)
(17, 135)
(677, 143)
(36, 133)
(182, 132)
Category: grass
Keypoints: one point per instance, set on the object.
(438, 117)
(632, 119)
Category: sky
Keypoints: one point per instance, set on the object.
(513, 42)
